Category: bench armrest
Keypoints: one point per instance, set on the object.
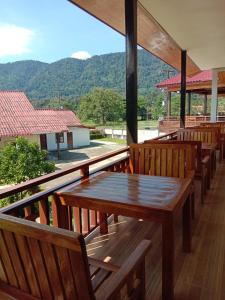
(111, 288)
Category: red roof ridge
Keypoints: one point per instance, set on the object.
(203, 76)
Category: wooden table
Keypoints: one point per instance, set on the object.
(151, 198)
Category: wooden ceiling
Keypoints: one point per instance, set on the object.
(151, 36)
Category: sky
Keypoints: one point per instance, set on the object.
(49, 30)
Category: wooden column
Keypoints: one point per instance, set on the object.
(168, 104)
(183, 88)
(205, 105)
(131, 69)
(189, 104)
(213, 116)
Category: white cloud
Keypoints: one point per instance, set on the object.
(81, 55)
(15, 40)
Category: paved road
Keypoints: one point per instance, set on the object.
(75, 156)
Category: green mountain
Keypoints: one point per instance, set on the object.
(71, 78)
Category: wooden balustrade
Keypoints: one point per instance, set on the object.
(43, 207)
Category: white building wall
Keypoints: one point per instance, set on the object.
(51, 142)
(81, 137)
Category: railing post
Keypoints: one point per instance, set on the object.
(60, 213)
(44, 211)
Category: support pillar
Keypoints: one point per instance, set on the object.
(58, 145)
(214, 100)
(131, 69)
(168, 104)
(205, 105)
(183, 88)
(189, 104)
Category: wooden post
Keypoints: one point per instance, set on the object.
(131, 69)
(183, 88)
(168, 106)
(213, 116)
(189, 104)
(205, 105)
(58, 145)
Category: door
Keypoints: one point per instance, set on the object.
(43, 141)
(70, 140)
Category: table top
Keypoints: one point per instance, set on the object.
(110, 190)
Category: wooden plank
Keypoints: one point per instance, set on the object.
(8, 265)
(29, 255)
(16, 260)
(66, 273)
(55, 280)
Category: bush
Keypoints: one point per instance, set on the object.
(21, 161)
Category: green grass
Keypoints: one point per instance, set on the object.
(122, 125)
(113, 140)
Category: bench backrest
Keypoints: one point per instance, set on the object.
(203, 134)
(162, 159)
(42, 261)
(220, 125)
(196, 147)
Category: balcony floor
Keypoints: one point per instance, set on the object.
(199, 275)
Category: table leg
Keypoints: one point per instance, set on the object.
(187, 225)
(103, 223)
(168, 258)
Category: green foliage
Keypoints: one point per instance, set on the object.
(101, 105)
(21, 161)
(155, 107)
(72, 78)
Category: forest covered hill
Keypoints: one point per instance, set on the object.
(71, 78)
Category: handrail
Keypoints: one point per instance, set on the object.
(42, 179)
(36, 197)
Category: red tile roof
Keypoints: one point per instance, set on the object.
(200, 77)
(18, 117)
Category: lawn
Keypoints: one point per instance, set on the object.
(113, 140)
(122, 125)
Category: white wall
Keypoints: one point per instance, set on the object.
(51, 142)
(81, 137)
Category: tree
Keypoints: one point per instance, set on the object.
(101, 105)
(155, 103)
(21, 161)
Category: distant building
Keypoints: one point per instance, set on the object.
(19, 118)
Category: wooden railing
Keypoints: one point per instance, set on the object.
(43, 207)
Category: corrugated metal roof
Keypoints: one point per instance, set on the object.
(175, 80)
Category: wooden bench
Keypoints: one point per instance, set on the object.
(204, 135)
(221, 127)
(42, 262)
(164, 159)
(200, 165)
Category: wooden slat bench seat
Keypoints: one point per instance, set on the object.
(164, 159)
(42, 262)
(206, 136)
(201, 166)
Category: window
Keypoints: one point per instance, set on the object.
(60, 137)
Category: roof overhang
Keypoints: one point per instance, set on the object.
(151, 35)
